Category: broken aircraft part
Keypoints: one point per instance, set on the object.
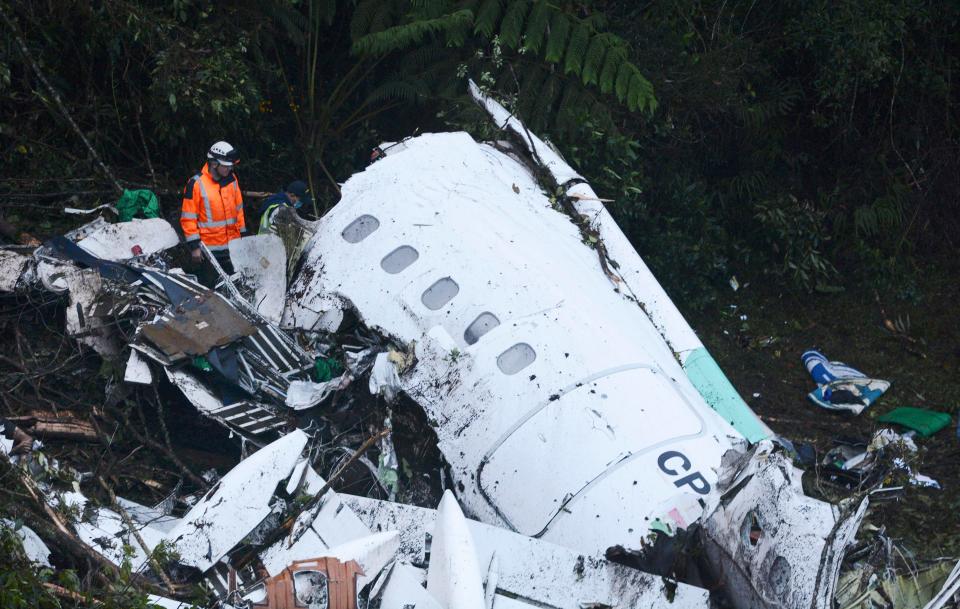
(261, 263)
(238, 503)
(609, 435)
(563, 578)
(775, 547)
(197, 326)
(34, 549)
(119, 241)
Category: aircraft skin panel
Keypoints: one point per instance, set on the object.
(592, 414)
(699, 365)
(477, 218)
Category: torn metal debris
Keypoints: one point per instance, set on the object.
(574, 409)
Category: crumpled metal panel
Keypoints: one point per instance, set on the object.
(775, 547)
(197, 326)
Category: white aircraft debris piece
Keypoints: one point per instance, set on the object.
(34, 549)
(137, 370)
(559, 406)
(948, 593)
(126, 240)
(454, 576)
(52, 274)
(105, 531)
(775, 547)
(237, 504)
(169, 603)
(529, 571)
(631, 270)
(261, 262)
(12, 267)
(333, 526)
(384, 379)
(402, 587)
(244, 416)
(307, 394)
(84, 286)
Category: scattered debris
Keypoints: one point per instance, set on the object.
(569, 406)
(840, 386)
(35, 550)
(772, 545)
(864, 465)
(924, 422)
(43, 424)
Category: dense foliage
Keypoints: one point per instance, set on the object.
(798, 138)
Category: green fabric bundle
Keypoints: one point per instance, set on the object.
(138, 202)
(925, 422)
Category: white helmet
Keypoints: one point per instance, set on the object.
(224, 154)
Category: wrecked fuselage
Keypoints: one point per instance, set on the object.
(561, 410)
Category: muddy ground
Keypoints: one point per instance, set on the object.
(761, 356)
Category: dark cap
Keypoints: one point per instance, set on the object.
(299, 188)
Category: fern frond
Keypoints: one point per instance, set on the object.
(363, 17)
(576, 50)
(487, 18)
(570, 108)
(640, 94)
(430, 9)
(396, 90)
(531, 80)
(511, 27)
(546, 97)
(456, 36)
(407, 35)
(615, 56)
(557, 40)
(294, 23)
(593, 59)
(622, 84)
(537, 25)
(425, 57)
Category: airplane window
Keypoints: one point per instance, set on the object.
(360, 229)
(485, 322)
(439, 294)
(516, 358)
(399, 259)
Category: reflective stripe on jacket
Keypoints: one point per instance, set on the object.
(269, 206)
(212, 212)
(266, 220)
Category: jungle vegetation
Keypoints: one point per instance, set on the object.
(808, 140)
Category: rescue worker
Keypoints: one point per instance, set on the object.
(212, 210)
(296, 196)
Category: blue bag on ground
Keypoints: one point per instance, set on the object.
(841, 387)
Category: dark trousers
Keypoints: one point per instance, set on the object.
(205, 272)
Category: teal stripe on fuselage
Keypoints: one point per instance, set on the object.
(706, 375)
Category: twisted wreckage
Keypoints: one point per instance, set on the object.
(579, 415)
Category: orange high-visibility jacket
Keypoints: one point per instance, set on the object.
(212, 212)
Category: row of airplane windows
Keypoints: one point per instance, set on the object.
(442, 291)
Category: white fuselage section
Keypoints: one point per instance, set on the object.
(562, 411)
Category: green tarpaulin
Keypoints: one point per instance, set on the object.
(138, 203)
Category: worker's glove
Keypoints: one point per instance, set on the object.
(196, 255)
